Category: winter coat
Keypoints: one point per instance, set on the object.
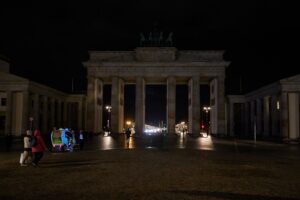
(40, 142)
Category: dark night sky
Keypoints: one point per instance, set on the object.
(47, 42)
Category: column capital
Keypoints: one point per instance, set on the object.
(171, 78)
(140, 78)
(221, 77)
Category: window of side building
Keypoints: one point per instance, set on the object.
(3, 101)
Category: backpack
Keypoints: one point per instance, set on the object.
(33, 141)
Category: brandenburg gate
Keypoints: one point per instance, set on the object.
(155, 65)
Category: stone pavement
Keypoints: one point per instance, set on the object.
(158, 168)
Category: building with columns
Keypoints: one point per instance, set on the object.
(271, 111)
(22, 100)
(155, 65)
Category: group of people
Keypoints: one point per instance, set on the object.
(33, 152)
(34, 144)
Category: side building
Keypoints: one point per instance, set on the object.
(269, 112)
(26, 104)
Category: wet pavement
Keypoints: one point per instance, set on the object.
(203, 142)
(186, 167)
(183, 141)
(102, 142)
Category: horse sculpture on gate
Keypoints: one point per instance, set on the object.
(169, 40)
(156, 39)
(142, 39)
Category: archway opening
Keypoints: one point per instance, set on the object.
(156, 105)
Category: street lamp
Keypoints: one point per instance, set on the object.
(183, 127)
(206, 109)
(108, 109)
(128, 126)
(128, 123)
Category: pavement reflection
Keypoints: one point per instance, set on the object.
(150, 141)
(202, 142)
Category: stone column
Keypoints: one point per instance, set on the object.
(36, 107)
(117, 104)
(83, 123)
(259, 116)
(94, 104)
(243, 117)
(14, 108)
(91, 104)
(31, 102)
(139, 105)
(252, 117)
(58, 114)
(99, 106)
(293, 108)
(221, 104)
(266, 115)
(247, 119)
(171, 104)
(274, 118)
(79, 115)
(217, 105)
(284, 125)
(194, 105)
(25, 111)
(65, 114)
(231, 119)
(52, 113)
(8, 113)
(45, 127)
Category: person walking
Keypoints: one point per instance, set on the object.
(27, 149)
(39, 148)
(128, 133)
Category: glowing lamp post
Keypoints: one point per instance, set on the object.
(108, 109)
(206, 109)
(128, 123)
(182, 127)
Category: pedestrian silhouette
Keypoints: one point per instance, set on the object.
(128, 133)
